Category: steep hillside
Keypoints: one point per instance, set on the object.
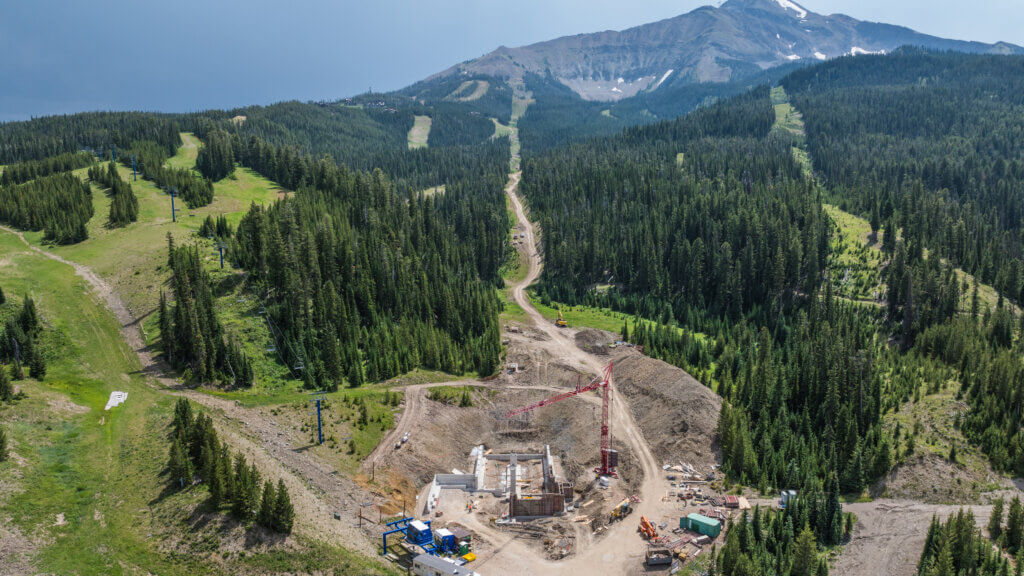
(706, 45)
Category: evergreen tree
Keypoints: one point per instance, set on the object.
(6, 388)
(28, 318)
(284, 515)
(265, 517)
(3, 298)
(3, 445)
(805, 554)
(1014, 526)
(37, 365)
(995, 521)
(180, 465)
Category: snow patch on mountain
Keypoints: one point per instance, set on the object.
(820, 56)
(790, 5)
(664, 77)
(792, 57)
(856, 50)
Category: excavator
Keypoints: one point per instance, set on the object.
(622, 510)
(561, 323)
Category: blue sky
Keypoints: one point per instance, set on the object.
(60, 56)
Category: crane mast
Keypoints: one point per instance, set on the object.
(609, 457)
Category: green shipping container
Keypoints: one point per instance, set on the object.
(701, 524)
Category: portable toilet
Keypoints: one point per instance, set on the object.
(445, 541)
(701, 524)
(419, 533)
(786, 497)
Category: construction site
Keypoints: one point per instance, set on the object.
(584, 456)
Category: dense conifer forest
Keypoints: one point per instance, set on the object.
(60, 205)
(366, 282)
(32, 169)
(99, 131)
(149, 159)
(191, 336)
(124, 206)
(927, 147)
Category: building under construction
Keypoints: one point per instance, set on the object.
(531, 482)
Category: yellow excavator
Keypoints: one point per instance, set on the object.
(561, 323)
(622, 510)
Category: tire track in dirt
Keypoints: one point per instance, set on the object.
(317, 490)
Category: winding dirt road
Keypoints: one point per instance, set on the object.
(620, 550)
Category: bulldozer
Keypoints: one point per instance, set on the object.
(622, 510)
(561, 323)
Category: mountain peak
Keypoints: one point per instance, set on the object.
(772, 5)
(737, 40)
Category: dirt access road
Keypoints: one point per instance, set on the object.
(620, 549)
(316, 490)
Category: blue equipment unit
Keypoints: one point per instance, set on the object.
(416, 532)
(419, 533)
(445, 541)
(396, 527)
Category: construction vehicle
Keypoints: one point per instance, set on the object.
(647, 529)
(561, 323)
(609, 457)
(658, 557)
(622, 510)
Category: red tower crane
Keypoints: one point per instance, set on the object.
(609, 457)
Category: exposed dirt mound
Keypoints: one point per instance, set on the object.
(595, 341)
(677, 414)
(935, 480)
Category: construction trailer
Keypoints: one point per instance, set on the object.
(427, 565)
(701, 524)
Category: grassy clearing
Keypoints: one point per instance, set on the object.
(500, 130)
(133, 258)
(427, 192)
(597, 318)
(453, 395)
(787, 117)
(419, 133)
(854, 268)
(90, 483)
(349, 435)
(470, 90)
(513, 272)
(187, 153)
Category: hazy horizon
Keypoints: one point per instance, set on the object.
(63, 57)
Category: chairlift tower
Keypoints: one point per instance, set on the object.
(316, 402)
(174, 211)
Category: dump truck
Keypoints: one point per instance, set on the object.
(658, 557)
(561, 323)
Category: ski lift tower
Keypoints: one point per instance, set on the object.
(174, 211)
(315, 406)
